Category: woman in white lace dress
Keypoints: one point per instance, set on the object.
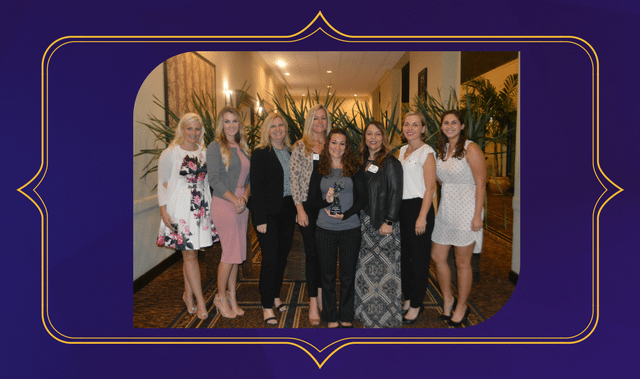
(461, 170)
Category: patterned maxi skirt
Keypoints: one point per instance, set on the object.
(377, 285)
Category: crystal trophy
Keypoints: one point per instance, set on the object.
(335, 208)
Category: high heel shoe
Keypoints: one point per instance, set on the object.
(226, 313)
(270, 321)
(203, 316)
(193, 307)
(404, 311)
(282, 307)
(464, 319)
(444, 317)
(407, 321)
(237, 310)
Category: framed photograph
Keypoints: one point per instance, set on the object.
(422, 83)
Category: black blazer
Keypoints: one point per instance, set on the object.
(385, 192)
(267, 185)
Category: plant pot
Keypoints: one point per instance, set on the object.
(502, 181)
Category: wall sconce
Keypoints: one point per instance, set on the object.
(227, 96)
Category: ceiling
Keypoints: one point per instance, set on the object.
(352, 72)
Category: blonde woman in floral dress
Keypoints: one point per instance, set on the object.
(184, 200)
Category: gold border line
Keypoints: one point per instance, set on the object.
(358, 39)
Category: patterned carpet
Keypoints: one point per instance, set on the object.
(158, 303)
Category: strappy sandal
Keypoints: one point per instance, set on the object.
(270, 321)
(239, 312)
(226, 313)
(282, 307)
(193, 309)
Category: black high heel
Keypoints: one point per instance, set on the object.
(407, 321)
(404, 311)
(444, 317)
(464, 319)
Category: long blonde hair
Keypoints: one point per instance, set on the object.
(221, 138)
(187, 119)
(307, 134)
(265, 136)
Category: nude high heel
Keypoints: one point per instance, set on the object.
(237, 310)
(223, 307)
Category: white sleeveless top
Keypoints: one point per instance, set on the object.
(412, 171)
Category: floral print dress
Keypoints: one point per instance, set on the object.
(187, 199)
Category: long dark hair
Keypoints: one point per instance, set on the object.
(384, 151)
(443, 140)
(350, 164)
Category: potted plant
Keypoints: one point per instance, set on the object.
(500, 128)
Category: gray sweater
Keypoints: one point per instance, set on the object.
(220, 179)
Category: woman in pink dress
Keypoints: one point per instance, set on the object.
(228, 160)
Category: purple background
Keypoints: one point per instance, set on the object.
(87, 188)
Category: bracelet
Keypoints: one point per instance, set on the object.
(245, 199)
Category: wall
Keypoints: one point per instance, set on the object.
(391, 92)
(443, 72)
(146, 215)
(232, 70)
(499, 74)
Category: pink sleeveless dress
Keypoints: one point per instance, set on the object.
(232, 227)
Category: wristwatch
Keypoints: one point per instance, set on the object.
(390, 223)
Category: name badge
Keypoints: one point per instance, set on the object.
(316, 157)
(373, 168)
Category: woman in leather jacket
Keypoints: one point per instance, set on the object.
(378, 294)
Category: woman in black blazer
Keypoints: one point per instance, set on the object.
(273, 211)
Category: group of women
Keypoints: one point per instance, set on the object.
(371, 214)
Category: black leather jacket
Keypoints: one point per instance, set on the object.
(385, 192)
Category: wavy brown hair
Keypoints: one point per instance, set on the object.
(350, 163)
(385, 149)
(443, 140)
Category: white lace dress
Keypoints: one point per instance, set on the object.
(453, 220)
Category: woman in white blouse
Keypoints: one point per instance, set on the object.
(416, 214)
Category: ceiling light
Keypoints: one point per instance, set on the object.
(328, 86)
(287, 74)
(329, 71)
(281, 63)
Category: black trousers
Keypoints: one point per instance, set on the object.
(415, 256)
(275, 245)
(312, 266)
(346, 244)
